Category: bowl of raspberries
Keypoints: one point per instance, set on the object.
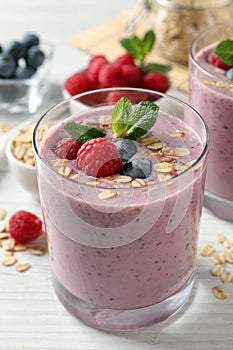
(130, 69)
(24, 69)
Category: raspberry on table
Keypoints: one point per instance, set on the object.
(126, 58)
(78, 82)
(155, 81)
(94, 67)
(215, 61)
(24, 226)
(111, 75)
(134, 97)
(67, 148)
(132, 75)
(99, 157)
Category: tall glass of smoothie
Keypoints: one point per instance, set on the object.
(122, 209)
(211, 94)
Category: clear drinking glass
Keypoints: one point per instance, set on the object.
(123, 250)
(211, 94)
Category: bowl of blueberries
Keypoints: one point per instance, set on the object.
(24, 69)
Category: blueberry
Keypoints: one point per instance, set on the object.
(137, 168)
(230, 74)
(31, 39)
(24, 72)
(7, 65)
(35, 57)
(16, 49)
(127, 148)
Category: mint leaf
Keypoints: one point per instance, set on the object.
(133, 122)
(224, 50)
(83, 133)
(121, 116)
(156, 67)
(138, 47)
(144, 116)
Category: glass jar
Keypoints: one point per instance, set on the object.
(177, 23)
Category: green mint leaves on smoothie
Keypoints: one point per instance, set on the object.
(139, 48)
(133, 122)
(83, 133)
(224, 50)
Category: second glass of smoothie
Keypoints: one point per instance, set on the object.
(211, 94)
(123, 248)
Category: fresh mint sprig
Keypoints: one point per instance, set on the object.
(224, 50)
(83, 133)
(133, 122)
(139, 48)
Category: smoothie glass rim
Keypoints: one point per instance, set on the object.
(192, 48)
(73, 98)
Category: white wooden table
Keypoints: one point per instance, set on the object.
(30, 315)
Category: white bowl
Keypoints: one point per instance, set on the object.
(24, 173)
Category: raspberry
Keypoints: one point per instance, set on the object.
(95, 64)
(24, 226)
(132, 75)
(126, 58)
(134, 97)
(111, 75)
(155, 81)
(99, 157)
(77, 83)
(67, 148)
(215, 61)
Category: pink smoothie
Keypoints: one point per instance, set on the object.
(131, 250)
(211, 94)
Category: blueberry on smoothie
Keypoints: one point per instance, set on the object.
(138, 168)
(127, 148)
(229, 74)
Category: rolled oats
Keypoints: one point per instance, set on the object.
(107, 194)
(21, 267)
(217, 270)
(226, 276)
(207, 250)
(220, 292)
(37, 250)
(218, 258)
(220, 237)
(8, 261)
(2, 213)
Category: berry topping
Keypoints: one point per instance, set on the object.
(138, 168)
(24, 226)
(127, 148)
(229, 74)
(155, 81)
(67, 148)
(215, 61)
(99, 157)
(77, 83)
